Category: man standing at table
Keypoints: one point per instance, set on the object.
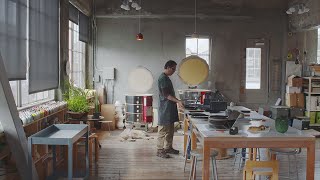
(168, 112)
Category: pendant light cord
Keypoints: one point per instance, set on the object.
(195, 16)
(140, 16)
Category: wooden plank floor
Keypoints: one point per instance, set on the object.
(138, 161)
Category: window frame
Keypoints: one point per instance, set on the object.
(81, 52)
(253, 66)
(318, 49)
(199, 54)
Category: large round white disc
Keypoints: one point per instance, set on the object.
(140, 80)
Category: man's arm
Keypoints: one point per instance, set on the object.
(172, 98)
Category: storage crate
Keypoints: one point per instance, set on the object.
(295, 112)
(279, 112)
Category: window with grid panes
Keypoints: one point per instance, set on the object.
(23, 98)
(318, 52)
(77, 54)
(253, 68)
(198, 46)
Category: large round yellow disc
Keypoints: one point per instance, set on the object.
(193, 70)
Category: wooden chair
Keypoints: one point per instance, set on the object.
(261, 168)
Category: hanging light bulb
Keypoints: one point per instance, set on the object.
(195, 35)
(139, 36)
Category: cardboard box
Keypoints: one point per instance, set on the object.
(295, 81)
(290, 89)
(295, 100)
(108, 111)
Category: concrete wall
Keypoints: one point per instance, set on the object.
(306, 21)
(165, 39)
(307, 43)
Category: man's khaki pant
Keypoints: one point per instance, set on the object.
(165, 136)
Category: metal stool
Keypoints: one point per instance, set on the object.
(197, 155)
(106, 122)
(288, 152)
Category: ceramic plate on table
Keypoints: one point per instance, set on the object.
(258, 129)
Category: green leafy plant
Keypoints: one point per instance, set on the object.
(76, 98)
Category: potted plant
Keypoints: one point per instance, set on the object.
(76, 99)
(96, 113)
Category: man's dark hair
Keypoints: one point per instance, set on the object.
(170, 64)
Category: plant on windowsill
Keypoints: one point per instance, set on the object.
(96, 113)
(76, 99)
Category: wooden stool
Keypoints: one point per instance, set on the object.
(93, 140)
(103, 123)
(262, 168)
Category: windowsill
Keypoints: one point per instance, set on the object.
(34, 104)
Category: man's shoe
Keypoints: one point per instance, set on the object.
(162, 153)
(171, 151)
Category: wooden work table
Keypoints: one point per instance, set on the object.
(209, 138)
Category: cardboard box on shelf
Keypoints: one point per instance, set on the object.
(108, 111)
(295, 100)
(295, 81)
(291, 89)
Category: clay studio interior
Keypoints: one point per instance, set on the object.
(160, 89)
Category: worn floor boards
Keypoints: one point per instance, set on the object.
(138, 161)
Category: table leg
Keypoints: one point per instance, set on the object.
(193, 138)
(30, 158)
(70, 147)
(53, 158)
(206, 162)
(185, 136)
(96, 149)
(310, 161)
(87, 157)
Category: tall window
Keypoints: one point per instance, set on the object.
(77, 56)
(20, 88)
(23, 98)
(199, 47)
(318, 54)
(253, 68)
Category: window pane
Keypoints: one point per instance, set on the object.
(14, 89)
(199, 47)
(203, 46)
(77, 56)
(24, 92)
(318, 58)
(191, 46)
(253, 68)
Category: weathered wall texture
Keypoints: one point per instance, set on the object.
(306, 21)
(165, 39)
(306, 42)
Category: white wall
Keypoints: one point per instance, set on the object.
(165, 39)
